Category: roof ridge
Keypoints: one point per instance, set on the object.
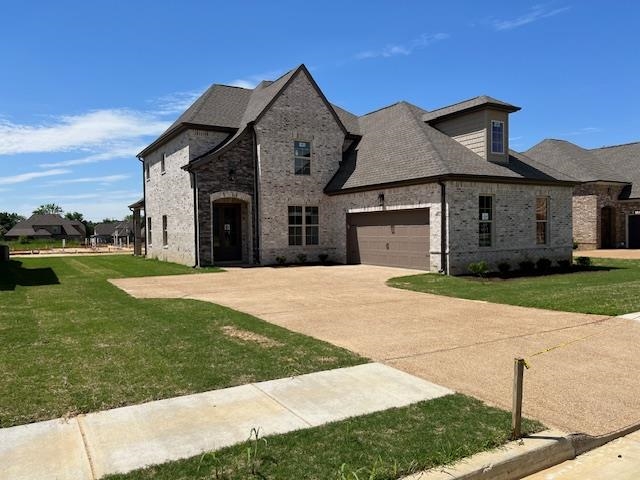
(459, 103)
(614, 146)
(422, 127)
(381, 108)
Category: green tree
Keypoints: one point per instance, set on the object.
(74, 216)
(8, 221)
(47, 209)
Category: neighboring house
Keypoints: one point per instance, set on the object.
(50, 226)
(117, 233)
(250, 175)
(606, 206)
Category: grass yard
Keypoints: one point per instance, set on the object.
(384, 445)
(612, 288)
(40, 244)
(70, 342)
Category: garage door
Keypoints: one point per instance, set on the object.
(634, 231)
(398, 238)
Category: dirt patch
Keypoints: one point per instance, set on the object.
(247, 336)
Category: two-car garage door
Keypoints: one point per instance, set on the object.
(396, 238)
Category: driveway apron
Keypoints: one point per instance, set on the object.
(589, 384)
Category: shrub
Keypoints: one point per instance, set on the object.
(323, 257)
(302, 257)
(281, 260)
(543, 264)
(564, 264)
(583, 261)
(478, 268)
(526, 266)
(22, 240)
(504, 267)
(575, 245)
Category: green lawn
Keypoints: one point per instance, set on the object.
(611, 288)
(384, 445)
(40, 244)
(70, 342)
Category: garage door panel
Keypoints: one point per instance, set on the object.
(393, 238)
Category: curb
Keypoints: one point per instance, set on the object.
(523, 457)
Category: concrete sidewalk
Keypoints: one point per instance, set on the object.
(90, 446)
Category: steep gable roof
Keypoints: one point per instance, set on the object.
(397, 146)
(580, 163)
(625, 159)
(476, 103)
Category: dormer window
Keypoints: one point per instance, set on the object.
(497, 136)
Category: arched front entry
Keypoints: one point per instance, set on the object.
(606, 227)
(231, 232)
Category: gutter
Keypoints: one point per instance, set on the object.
(444, 264)
(256, 194)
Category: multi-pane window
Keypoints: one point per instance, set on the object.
(542, 220)
(497, 136)
(485, 219)
(302, 158)
(165, 235)
(162, 163)
(303, 226)
(311, 225)
(295, 225)
(147, 170)
(149, 230)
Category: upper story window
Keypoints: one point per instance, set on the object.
(542, 220)
(485, 218)
(147, 169)
(162, 163)
(497, 136)
(302, 158)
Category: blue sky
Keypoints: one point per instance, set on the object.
(85, 85)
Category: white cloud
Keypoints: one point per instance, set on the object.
(110, 154)
(422, 41)
(176, 102)
(582, 131)
(252, 80)
(87, 196)
(99, 128)
(25, 177)
(102, 179)
(537, 12)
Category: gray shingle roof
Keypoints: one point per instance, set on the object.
(105, 229)
(348, 119)
(397, 146)
(31, 226)
(471, 104)
(580, 163)
(625, 161)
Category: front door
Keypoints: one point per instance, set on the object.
(227, 237)
(606, 227)
(634, 231)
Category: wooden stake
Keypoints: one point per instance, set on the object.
(516, 415)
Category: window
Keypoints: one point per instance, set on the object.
(307, 223)
(165, 236)
(542, 220)
(149, 230)
(485, 217)
(147, 170)
(302, 158)
(162, 160)
(295, 225)
(311, 225)
(497, 136)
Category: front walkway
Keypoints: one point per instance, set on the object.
(589, 384)
(622, 253)
(90, 446)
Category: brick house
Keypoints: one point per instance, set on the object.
(250, 175)
(48, 227)
(606, 205)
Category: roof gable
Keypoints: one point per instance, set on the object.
(466, 106)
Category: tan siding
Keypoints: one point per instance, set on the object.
(469, 130)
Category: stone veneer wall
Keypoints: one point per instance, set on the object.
(171, 194)
(212, 178)
(299, 113)
(514, 227)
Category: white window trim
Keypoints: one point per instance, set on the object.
(492, 222)
(304, 226)
(165, 231)
(491, 137)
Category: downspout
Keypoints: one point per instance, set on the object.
(256, 195)
(444, 264)
(144, 202)
(196, 225)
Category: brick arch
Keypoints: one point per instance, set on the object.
(247, 223)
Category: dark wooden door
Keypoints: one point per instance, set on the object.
(634, 231)
(606, 227)
(227, 236)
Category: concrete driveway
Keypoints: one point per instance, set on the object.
(589, 385)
